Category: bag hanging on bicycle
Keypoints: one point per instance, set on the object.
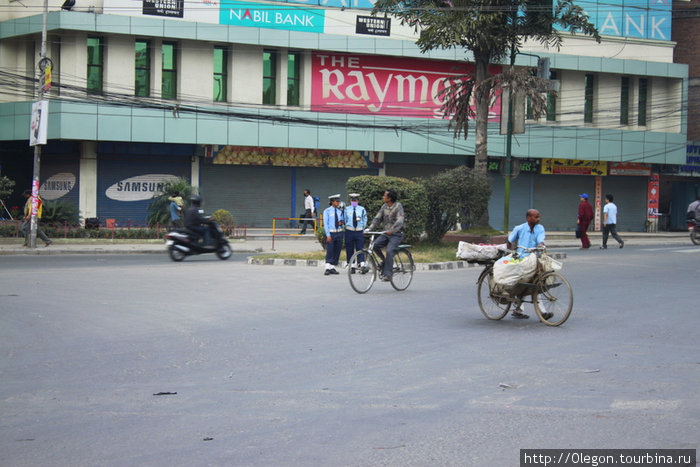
(508, 271)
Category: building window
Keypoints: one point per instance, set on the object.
(169, 82)
(142, 65)
(624, 101)
(269, 76)
(588, 100)
(293, 78)
(95, 65)
(552, 100)
(642, 103)
(220, 73)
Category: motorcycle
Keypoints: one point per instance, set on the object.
(694, 229)
(184, 242)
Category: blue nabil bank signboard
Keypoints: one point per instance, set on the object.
(265, 15)
(643, 19)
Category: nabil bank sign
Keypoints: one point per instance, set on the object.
(262, 15)
(389, 86)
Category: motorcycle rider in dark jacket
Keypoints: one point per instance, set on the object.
(196, 222)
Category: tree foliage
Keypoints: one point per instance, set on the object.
(158, 212)
(59, 212)
(409, 193)
(492, 30)
(459, 193)
(6, 187)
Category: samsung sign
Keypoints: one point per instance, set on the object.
(57, 186)
(139, 188)
(263, 15)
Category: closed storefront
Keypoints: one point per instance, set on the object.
(60, 179)
(127, 182)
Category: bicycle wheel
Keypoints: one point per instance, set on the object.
(362, 276)
(403, 270)
(492, 306)
(554, 299)
(695, 236)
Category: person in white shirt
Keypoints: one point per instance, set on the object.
(309, 213)
(610, 222)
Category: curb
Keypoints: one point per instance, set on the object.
(442, 266)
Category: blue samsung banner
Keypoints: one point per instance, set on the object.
(643, 19)
(265, 15)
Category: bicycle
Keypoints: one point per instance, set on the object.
(550, 293)
(364, 265)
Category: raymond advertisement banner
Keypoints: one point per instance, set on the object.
(388, 86)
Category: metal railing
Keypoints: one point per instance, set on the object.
(306, 219)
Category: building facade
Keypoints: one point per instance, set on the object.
(254, 102)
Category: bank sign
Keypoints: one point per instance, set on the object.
(644, 19)
(266, 15)
(389, 86)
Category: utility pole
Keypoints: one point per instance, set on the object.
(509, 145)
(37, 147)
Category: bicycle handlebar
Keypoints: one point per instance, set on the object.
(372, 233)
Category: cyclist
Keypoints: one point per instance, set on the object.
(391, 217)
(527, 235)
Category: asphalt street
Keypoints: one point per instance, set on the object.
(118, 360)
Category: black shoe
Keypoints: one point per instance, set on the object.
(547, 315)
(327, 272)
(603, 247)
(622, 244)
(50, 242)
(385, 278)
(302, 233)
(333, 271)
(517, 314)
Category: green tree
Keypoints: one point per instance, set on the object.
(457, 193)
(6, 187)
(492, 30)
(59, 212)
(409, 193)
(158, 212)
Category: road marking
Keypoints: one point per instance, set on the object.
(685, 250)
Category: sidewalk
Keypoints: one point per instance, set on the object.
(261, 241)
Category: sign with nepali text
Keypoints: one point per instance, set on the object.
(573, 167)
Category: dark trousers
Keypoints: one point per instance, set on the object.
(25, 230)
(391, 242)
(354, 241)
(610, 229)
(334, 247)
(585, 242)
(308, 215)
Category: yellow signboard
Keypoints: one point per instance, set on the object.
(290, 157)
(573, 167)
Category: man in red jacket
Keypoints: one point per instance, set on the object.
(585, 216)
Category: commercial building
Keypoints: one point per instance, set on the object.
(254, 102)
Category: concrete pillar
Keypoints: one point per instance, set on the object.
(88, 179)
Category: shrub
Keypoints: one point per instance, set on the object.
(225, 220)
(409, 193)
(59, 212)
(6, 187)
(452, 194)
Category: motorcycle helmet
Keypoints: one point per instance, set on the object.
(196, 200)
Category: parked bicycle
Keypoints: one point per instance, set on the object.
(364, 267)
(548, 291)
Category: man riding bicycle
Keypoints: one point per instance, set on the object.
(391, 217)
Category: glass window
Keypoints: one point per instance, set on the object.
(624, 101)
(220, 73)
(588, 100)
(642, 104)
(95, 65)
(552, 100)
(269, 76)
(169, 82)
(142, 65)
(293, 78)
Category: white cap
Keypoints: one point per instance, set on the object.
(354, 195)
(332, 197)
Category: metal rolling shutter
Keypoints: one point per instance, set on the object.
(324, 183)
(115, 169)
(60, 180)
(253, 194)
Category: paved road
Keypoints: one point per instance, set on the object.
(283, 366)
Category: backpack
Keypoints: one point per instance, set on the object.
(317, 203)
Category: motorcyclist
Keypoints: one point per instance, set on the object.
(693, 212)
(196, 221)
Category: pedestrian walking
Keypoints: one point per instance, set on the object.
(26, 221)
(309, 211)
(610, 222)
(585, 216)
(356, 216)
(333, 220)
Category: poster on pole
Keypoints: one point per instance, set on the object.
(39, 123)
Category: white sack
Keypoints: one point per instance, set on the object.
(508, 271)
(473, 252)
